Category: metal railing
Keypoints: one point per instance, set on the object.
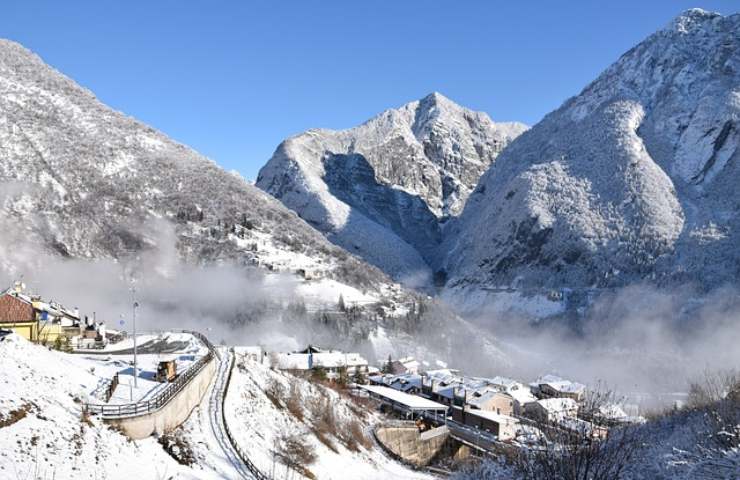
(161, 398)
(256, 472)
(474, 437)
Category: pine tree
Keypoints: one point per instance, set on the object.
(340, 304)
(388, 367)
(358, 377)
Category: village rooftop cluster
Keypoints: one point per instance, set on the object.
(503, 408)
(500, 408)
(50, 323)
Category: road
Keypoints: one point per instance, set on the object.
(211, 418)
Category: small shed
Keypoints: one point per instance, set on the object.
(166, 370)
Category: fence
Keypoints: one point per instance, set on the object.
(161, 398)
(111, 388)
(258, 475)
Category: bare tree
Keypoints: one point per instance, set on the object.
(599, 404)
(712, 387)
(577, 454)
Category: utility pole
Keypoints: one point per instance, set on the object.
(135, 304)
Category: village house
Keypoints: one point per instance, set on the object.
(503, 426)
(18, 315)
(497, 394)
(312, 358)
(401, 366)
(552, 409)
(521, 393)
(552, 386)
(491, 400)
(45, 322)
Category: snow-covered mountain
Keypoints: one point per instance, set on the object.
(634, 179)
(383, 190)
(79, 179)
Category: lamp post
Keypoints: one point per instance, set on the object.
(135, 304)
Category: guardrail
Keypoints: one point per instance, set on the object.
(256, 472)
(162, 397)
(474, 437)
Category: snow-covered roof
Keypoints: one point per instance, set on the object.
(558, 405)
(300, 361)
(402, 382)
(613, 411)
(410, 401)
(521, 393)
(410, 363)
(493, 416)
(52, 308)
(485, 397)
(560, 384)
(503, 381)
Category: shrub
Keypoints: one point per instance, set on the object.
(178, 448)
(275, 391)
(293, 452)
(294, 402)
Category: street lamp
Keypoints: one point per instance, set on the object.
(135, 305)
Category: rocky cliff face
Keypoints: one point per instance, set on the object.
(632, 180)
(79, 179)
(384, 190)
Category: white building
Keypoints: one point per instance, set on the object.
(549, 386)
(552, 409)
(332, 361)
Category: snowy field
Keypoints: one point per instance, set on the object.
(44, 436)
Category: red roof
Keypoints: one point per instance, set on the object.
(14, 309)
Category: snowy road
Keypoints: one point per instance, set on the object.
(211, 418)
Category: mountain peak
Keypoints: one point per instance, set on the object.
(435, 97)
(437, 100)
(691, 19)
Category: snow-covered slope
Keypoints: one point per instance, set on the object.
(633, 179)
(265, 406)
(384, 189)
(81, 180)
(51, 439)
(43, 434)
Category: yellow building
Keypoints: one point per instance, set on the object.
(27, 330)
(36, 320)
(18, 315)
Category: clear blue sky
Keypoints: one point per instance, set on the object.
(233, 78)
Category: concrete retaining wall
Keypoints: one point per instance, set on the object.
(174, 413)
(407, 444)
